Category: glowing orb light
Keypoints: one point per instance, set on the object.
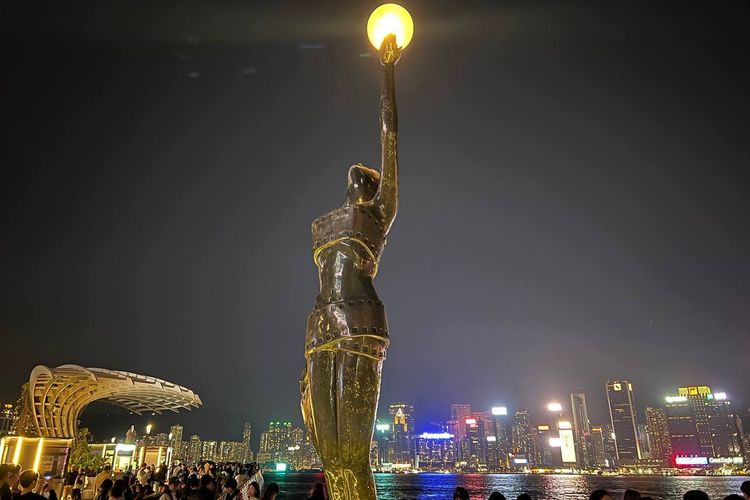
(390, 18)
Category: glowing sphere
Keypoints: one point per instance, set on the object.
(390, 19)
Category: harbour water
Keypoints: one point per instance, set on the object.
(540, 487)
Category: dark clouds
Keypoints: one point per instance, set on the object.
(574, 196)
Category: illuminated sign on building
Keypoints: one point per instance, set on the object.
(725, 460)
(436, 435)
(721, 396)
(564, 425)
(555, 442)
(555, 407)
(491, 439)
(543, 428)
(520, 461)
(382, 427)
(499, 410)
(675, 399)
(691, 461)
(567, 446)
(471, 421)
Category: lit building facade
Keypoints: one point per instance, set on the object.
(701, 424)
(276, 440)
(402, 428)
(457, 424)
(522, 439)
(209, 450)
(658, 435)
(175, 433)
(434, 451)
(623, 421)
(7, 418)
(194, 448)
(247, 438)
(581, 429)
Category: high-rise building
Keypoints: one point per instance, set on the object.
(610, 445)
(502, 431)
(231, 451)
(701, 423)
(176, 441)
(434, 451)
(383, 438)
(624, 423)
(162, 439)
(194, 448)
(209, 450)
(581, 429)
(472, 445)
(275, 442)
(488, 442)
(8, 418)
(247, 438)
(542, 449)
(598, 454)
(658, 435)
(457, 424)
(402, 428)
(522, 438)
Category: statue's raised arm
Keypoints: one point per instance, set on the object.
(387, 196)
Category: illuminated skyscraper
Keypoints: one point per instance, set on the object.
(176, 441)
(701, 423)
(581, 429)
(209, 450)
(276, 440)
(501, 429)
(434, 451)
(658, 435)
(247, 438)
(598, 454)
(488, 441)
(472, 444)
(457, 423)
(402, 428)
(195, 448)
(624, 423)
(522, 438)
(7, 418)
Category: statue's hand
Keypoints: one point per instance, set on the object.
(390, 53)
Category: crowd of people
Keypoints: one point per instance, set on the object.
(207, 481)
(462, 494)
(210, 481)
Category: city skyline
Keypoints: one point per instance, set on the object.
(105, 419)
(694, 426)
(574, 197)
(455, 412)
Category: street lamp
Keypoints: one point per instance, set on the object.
(148, 428)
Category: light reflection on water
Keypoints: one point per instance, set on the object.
(541, 487)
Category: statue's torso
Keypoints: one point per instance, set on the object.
(347, 244)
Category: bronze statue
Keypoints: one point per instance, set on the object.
(347, 332)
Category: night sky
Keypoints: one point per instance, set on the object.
(574, 197)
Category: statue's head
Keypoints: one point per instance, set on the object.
(363, 184)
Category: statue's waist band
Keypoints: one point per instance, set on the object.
(344, 320)
(371, 346)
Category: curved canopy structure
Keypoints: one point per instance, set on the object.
(55, 398)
